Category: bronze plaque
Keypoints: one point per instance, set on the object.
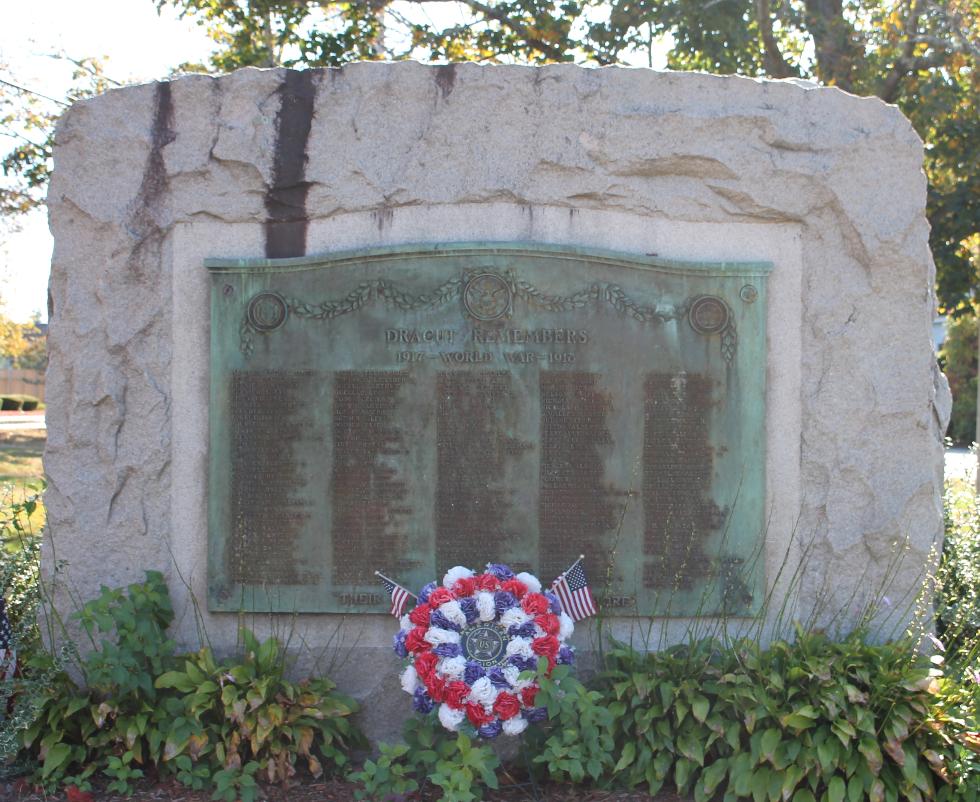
(410, 409)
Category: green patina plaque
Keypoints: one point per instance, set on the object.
(410, 409)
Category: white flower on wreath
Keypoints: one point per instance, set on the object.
(530, 580)
(438, 636)
(483, 692)
(453, 612)
(453, 575)
(515, 726)
(452, 667)
(449, 718)
(520, 646)
(485, 605)
(409, 679)
(515, 616)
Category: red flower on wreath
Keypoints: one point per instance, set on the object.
(477, 714)
(425, 664)
(436, 686)
(456, 693)
(439, 596)
(515, 586)
(535, 604)
(488, 582)
(529, 694)
(420, 615)
(547, 646)
(506, 705)
(464, 587)
(416, 642)
(549, 623)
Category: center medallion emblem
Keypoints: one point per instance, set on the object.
(486, 644)
(487, 296)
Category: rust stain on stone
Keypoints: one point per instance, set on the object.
(446, 79)
(285, 200)
(143, 223)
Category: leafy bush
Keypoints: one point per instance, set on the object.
(958, 581)
(803, 721)
(958, 359)
(453, 763)
(206, 723)
(240, 713)
(20, 548)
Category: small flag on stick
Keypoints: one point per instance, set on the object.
(399, 595)
(573, 592)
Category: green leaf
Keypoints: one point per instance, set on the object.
(629, 753)
(836, 790)
(700, 707)
(770, 741)
(55, 757)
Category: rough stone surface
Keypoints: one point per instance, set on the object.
(150, 180)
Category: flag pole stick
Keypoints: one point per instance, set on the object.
(393, 582)
(565, 572)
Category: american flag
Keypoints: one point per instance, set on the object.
(8, 657)
(573, 592)
(399, 596)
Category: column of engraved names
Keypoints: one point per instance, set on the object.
(268, 516)
(575, 506)
(369, 497)
(677, 470)
(473, 449)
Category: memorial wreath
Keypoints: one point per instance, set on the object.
(471, 643)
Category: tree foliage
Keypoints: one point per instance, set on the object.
(23, 345)
(27, 120)
(920, 54)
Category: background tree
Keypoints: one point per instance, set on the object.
(920, 54)
(27, 120)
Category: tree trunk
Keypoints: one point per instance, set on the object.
(834, 42)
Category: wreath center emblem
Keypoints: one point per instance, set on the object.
(486, 644)
(487, 296)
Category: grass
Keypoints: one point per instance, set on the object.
(20, 467)
(20, 455)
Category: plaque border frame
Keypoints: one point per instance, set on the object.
(217, 266)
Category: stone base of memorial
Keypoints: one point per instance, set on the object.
(309, 325)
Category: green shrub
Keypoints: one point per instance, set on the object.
(958, 359)
(233, 714)
(803, 721)
(206, 723)
(29, 403)
(10, 403)
(20, 549)
(453, 763)
(958, 580)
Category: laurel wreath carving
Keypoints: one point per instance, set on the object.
(452, 290)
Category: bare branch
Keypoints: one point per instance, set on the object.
(24, 89)
(774, 62)
(518, 27)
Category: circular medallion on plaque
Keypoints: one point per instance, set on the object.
(748, 293)
(709, 315)
(267, 311)
(487, 296)
(485, 643)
